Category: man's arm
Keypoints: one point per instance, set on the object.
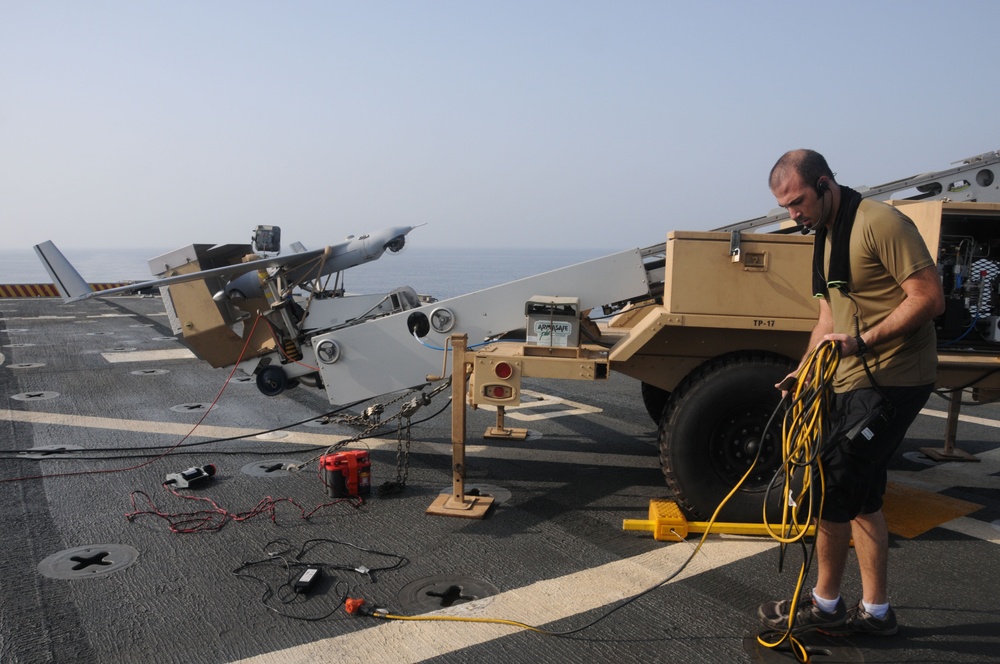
(924, 301)
(824, 328)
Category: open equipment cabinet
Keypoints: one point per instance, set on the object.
(968, 239)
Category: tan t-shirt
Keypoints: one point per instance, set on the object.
(885, 249)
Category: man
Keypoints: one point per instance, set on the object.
(879, 293)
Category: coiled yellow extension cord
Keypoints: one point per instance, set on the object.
(802, 433)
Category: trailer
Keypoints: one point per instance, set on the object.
(709, 354)
(728, 315)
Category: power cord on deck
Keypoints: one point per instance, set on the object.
(305, 578)
(803, 431)
(376, 612)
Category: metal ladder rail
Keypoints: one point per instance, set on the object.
(978, 183)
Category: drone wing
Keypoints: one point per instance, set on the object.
(74, 288)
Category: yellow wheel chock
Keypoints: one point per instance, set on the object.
(668, 524)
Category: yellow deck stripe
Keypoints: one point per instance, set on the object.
(910, 512)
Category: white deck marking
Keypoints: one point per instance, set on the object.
(971, 419)
(178, 429)
(399, 642)
(545, 401)
(149, 355)
(146, 426)
(974, 528)
(981, 474)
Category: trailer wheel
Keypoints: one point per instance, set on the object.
(710, 432)
(271, 381)
(655, 400)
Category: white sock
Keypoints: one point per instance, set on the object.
(877, 611)
(826, 605)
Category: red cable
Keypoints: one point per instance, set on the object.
(213, 519)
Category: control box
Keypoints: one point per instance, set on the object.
(552, 321)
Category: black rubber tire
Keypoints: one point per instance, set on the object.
(655, 400)
(710, 431)
(271, 381)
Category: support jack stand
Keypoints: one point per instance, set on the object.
(457, 503)
(950, 452)
(500, 431)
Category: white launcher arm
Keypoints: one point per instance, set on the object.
(382, 356)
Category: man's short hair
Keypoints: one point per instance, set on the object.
(809, 164)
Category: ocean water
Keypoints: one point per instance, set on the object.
(440, 272)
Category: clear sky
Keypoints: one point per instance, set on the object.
(135, 123)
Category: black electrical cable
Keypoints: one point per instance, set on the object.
(946, 393)
(310, 544)
(285, 593)
(270, 592)
(635, 308)
(18, 454)
(215, 440)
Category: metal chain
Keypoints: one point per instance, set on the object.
(402, 456)
(404, 437)
(371, 424)
(371, 418)
(373, 421)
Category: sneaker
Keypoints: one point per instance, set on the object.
(809, 617)
(860, 621)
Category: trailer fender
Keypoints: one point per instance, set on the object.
(655, 400)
